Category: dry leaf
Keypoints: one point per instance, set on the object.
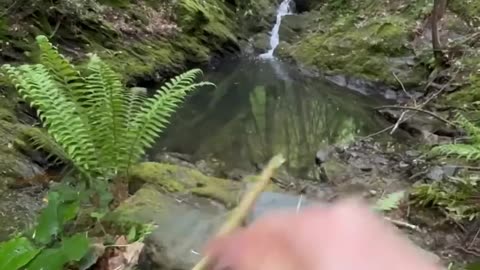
(133, 252)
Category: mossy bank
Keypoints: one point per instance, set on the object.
(139, 38)
(375, 39)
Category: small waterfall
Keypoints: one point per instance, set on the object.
(283, 9)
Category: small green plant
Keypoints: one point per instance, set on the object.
(101, 127)
(389, 202)
(467, 151)
(47, 246)
(458, 197)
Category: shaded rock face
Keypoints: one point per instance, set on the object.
(14, 165)
(18, 208)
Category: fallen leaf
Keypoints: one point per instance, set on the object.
(133, 252)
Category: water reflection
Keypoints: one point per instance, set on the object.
(263, 108)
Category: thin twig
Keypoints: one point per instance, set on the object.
(416, 109)
(404, 89)
(398, 122)
(404, 224)
(474, 239)
(241, 211)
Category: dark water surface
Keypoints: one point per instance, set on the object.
(261, 108)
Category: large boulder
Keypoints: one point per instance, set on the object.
(183, 226)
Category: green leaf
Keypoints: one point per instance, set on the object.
(132, 234)
(48, 222)
(16, 253)
(75, 247)
(68, 211)
(48, 259)
(389, 202)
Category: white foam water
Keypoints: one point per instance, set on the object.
(283, 9)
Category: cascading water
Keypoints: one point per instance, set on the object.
(283, 9)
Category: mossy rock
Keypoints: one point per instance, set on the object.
(261, 43)
(176, 179)
(180, 227)
(369, 49)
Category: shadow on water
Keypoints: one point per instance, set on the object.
(261, 108)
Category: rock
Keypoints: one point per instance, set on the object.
(261, 43)
(272, 201)
(390, 94)
(450, 170)
(295, 22)
(175, 159)
(15, 167)
(182, 228)
(19, 209)
(436, 173)
(412, 153)
(380, 160)
(178, 179)
(322, 156)
(282, 50)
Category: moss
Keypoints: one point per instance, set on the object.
(361, 49)
(8, 115)
(467, 10)
(173, 178)
(140, 209)
(212, 17)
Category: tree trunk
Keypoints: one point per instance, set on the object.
(439, 8)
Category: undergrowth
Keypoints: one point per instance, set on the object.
(457, 196)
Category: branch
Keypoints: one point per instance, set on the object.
(241, 212)
(418, 110)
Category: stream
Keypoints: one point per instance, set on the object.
(264, 107)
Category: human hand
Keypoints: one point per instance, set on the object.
(346, 235)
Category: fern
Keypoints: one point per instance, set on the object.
(153, 117)
(98, 125)
(389, 202)
(466, 151)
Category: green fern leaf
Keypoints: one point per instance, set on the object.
(467, 151)
(40, 140)
(152, 119)
(56, 110)
(389, 202)
(106, 111)
(470, 128)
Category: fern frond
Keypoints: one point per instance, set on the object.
(151, 120)
(389, 202)
(57, 112)
(467, 151)
(106, 110)
(472, 130)
(40, 140)
(60, 67)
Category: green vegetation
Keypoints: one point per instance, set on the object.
(467, 151)
(101, 128)
(94, 124)
(48, 244)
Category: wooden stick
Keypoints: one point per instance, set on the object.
(241, 211)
